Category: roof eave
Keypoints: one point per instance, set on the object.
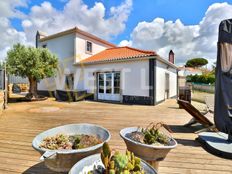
(76, 30)
(63, 33)
(166, 62)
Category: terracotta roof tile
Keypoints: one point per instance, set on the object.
(118, 53)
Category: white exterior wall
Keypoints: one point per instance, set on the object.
(63, 47)
(161, 69)
(80, 47)
(188, 72)
(69, 49)
(134, 77)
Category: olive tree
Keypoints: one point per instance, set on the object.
(32, 63)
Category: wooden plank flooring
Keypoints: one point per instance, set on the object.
(22, 121)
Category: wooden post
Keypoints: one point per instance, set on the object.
(154, 164)
(5, 87)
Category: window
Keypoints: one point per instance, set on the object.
(69, 81)
(44, 45)
(88, 46)
(101, 83)
(116, 83)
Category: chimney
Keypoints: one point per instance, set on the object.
(39, 35)
(171, 57)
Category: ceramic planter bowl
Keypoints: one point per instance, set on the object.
(144, 151)
(88, 161)
(63, 160)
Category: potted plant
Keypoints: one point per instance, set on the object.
(109, 163)
(61, 147)
(150, 143)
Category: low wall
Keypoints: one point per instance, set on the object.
(70, 95)
(203, 87)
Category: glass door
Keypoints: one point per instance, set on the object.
(109, 86)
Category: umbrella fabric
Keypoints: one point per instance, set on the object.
(223, 94)
(226, 56)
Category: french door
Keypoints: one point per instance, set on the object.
(109, 86)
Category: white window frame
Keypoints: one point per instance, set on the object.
(86, 47)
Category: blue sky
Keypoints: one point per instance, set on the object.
(190, 12)
(188, 27)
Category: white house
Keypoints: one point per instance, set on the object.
(185, 71)
(106, 72)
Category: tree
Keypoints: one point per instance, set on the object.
(33, 63)
(1, 65)
(196, 62)
(213, 71)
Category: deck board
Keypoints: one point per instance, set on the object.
(21, 122)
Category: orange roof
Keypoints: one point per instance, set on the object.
(118, 53)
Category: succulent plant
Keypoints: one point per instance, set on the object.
(106, 154)
(152, 135)
(120, 163)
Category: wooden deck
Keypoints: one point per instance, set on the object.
(22, 121)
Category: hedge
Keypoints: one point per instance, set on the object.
(205, 78)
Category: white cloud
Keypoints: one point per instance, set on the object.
(9, 36)
(8, 8)
(125, 43)
(76, 13)
(45, 17)
(26, 23)
(187, 41)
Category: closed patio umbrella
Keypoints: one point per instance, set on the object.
(223, 94)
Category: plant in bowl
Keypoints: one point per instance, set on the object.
(63, 146)
(150, 143)
(150, 135)
(109, 163)
(69, 142)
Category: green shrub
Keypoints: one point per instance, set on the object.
(205, 78)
